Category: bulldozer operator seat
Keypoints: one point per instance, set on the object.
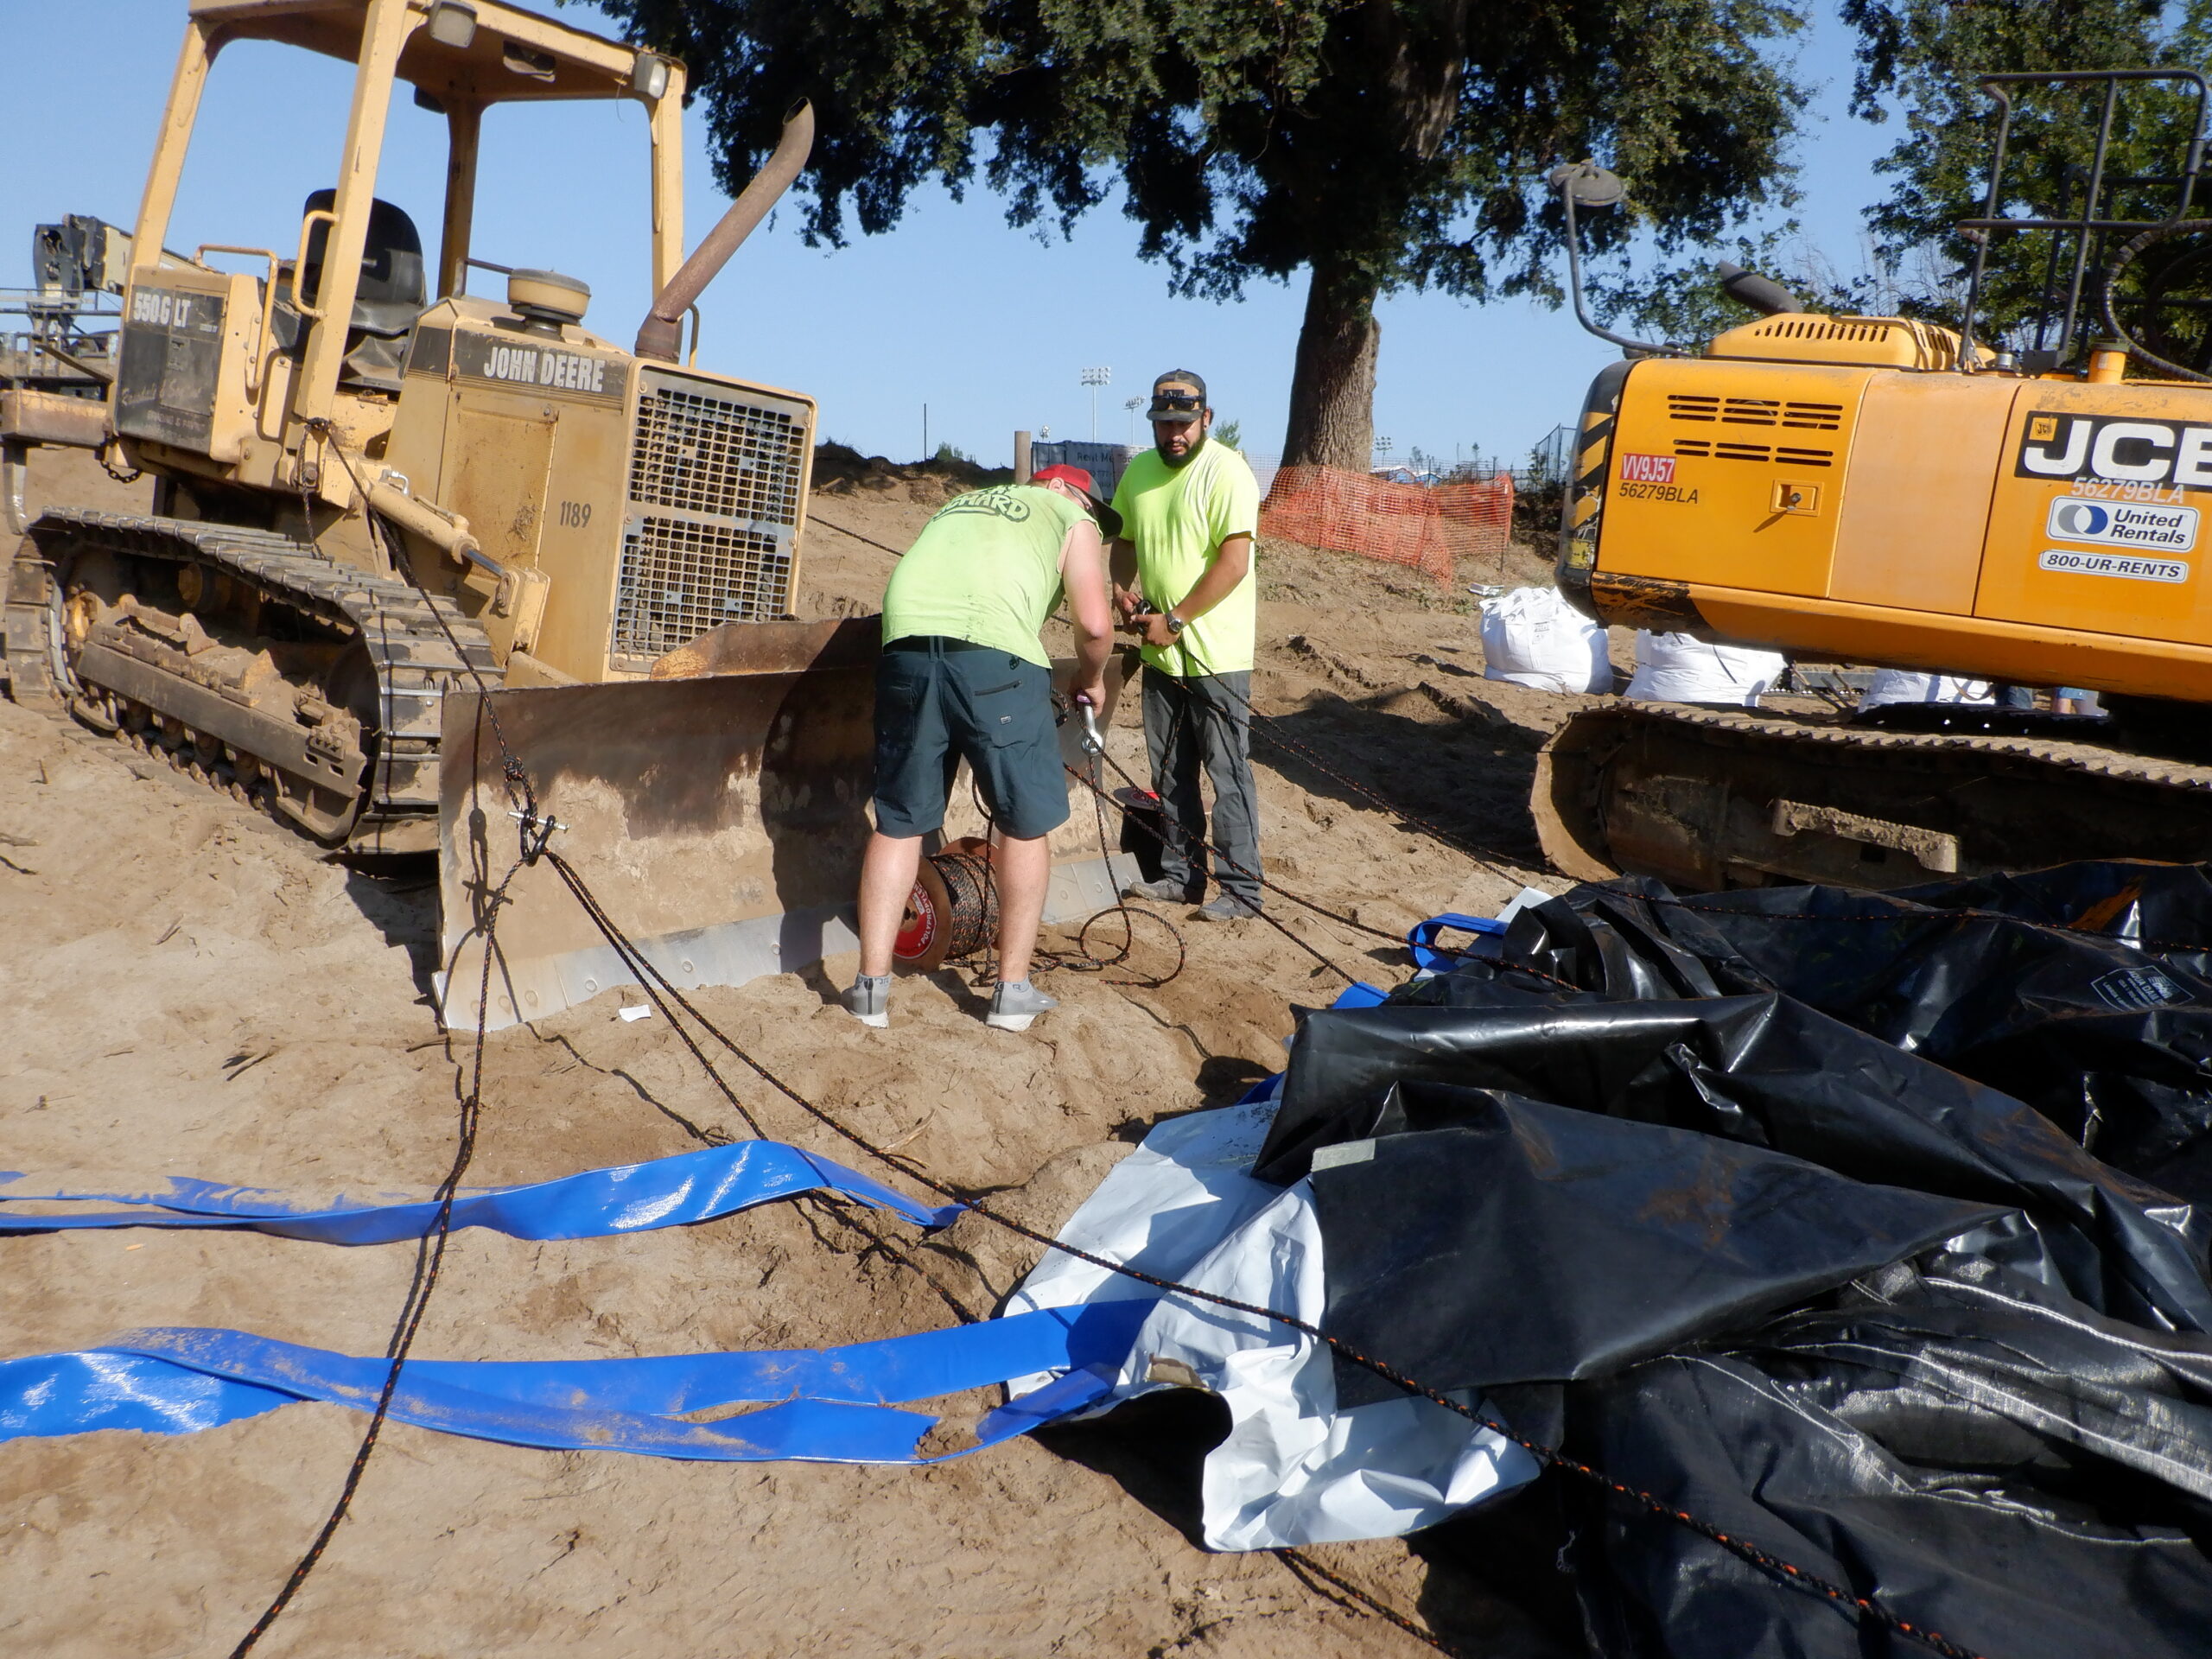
(392, 292)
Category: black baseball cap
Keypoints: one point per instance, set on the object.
(1178, 395)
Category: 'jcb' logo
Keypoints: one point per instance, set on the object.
(2118, 449)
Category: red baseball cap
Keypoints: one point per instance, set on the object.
(1110, 522)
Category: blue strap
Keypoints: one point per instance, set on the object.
(836, 1405)
(1421, 937)
(634, 1198)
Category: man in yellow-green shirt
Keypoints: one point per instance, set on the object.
(1183, 581)
(964, 676)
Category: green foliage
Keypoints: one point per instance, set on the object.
(1230, 433)
(1382, 143)
(1926, 57)
(1682, 304)
(947, 455)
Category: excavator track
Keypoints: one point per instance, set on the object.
(314, 688)
(1710, 798)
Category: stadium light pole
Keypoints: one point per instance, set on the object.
(1095, 378)
(1132, 405)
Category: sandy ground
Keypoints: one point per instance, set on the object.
(190, 989)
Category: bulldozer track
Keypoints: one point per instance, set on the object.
(1705, 797)
(409, 638)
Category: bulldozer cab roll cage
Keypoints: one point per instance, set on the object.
(461, 58)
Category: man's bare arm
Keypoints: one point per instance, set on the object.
(1129, 600)
(1083, 573)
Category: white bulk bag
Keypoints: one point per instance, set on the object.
(1533, 636)
(1906, 685)
(1682, 668)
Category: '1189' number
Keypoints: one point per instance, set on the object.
(575, 515)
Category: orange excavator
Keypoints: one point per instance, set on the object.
(1884, 490)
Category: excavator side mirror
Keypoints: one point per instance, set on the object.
(1587, 185)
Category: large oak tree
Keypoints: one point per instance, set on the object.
(1925, 60)
(1370, 144)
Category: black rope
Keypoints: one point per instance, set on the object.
(1267, 725)
(431, 1251)
(976, 930)
(430, 1258)
(1084, 960)
(831, 523)
(1305, 1569)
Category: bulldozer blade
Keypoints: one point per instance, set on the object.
(717, 811)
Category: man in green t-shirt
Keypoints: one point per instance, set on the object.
(1183, 581)
(964, 676)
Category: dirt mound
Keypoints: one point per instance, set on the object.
(840, 469)
(195, 991)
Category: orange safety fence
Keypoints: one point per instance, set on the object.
(1428, 526)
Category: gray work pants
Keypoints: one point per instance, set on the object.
(1204, 720)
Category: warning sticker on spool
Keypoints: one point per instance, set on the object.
(2079, 562)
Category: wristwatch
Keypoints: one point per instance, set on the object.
(1175, 623)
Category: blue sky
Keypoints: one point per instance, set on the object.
(986, 326)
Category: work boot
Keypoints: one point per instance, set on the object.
(870, 1000)
(1227, 907)
(1014, 1003)
(1164, 890)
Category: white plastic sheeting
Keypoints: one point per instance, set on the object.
(1293, 1470)
(1905, 685)
(1532, 636)
(1682, 668)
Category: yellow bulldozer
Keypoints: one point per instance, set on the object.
(428, 570)
(1883, 490)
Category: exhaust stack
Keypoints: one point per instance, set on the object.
(1768, 298)
(661, 335)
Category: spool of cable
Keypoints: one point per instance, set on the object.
(953, 911)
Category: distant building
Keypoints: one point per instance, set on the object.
(1105, 462)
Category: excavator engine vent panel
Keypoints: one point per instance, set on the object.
(716, 477)
(1699, 449)
(1754, 411)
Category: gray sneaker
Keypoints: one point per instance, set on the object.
(1164, 891)
(1014, 1003)
(1227, 907)
(870, 1000)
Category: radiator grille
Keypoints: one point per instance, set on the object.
(681, 577)
(703, 452)
(716, 477)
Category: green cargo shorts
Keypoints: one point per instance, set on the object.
(939, 701)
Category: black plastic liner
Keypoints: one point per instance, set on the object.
(2110, 1037)
(1782, 1269)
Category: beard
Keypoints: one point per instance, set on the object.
(1185, 458)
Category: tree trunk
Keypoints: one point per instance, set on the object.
(1333, 385)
